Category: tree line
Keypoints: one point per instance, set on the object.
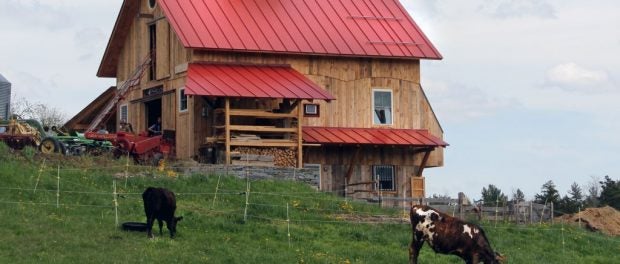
(599, 193)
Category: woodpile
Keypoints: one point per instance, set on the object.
(280, 157)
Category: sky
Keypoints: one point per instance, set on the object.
(528, 90)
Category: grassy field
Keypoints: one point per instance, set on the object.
(83, 230)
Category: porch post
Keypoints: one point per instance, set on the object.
(300, 116)
(227, 128)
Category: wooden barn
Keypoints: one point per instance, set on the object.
(321, 83)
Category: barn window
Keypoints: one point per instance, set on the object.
(152, 3)
(311, 110)
(152, 48)
(382, 103)
(182, 100)
(124, 114)
(385, 176)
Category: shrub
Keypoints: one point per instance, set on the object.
(28, 152)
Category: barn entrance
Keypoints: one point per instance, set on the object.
(152, 111)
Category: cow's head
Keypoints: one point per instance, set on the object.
(173, 226)
(496, 258)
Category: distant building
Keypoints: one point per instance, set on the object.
(5, 97)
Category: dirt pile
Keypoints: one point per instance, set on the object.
(605, 219)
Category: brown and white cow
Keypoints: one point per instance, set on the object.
(160, 204)
(449, 235)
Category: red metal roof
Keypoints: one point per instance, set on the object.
(255, 81)
(371, 136)
(326, 27)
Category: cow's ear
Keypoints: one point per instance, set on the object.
(179, 218)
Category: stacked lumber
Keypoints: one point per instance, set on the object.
(280, 157)
(244, 137)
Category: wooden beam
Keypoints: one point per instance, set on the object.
(227, 125)
(259, 143)
(260, 128)
(300, 116)
(350, 170)
(257, 113)
(427, 154)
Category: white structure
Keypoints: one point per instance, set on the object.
(5, 97)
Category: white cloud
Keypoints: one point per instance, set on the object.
(518, 8)
(90, 42)
(457, 102)
(573, 77)
(51, 16)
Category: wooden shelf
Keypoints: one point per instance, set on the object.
(257, 113)
(260, 129)
(264, 143)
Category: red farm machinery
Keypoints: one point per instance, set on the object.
(142, 147)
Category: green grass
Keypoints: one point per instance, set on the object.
(83, 228)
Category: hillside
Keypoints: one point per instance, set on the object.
(83, 227)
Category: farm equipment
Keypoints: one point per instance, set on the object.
(142, 147)
(18, 134)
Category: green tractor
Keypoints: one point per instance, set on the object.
(18, 134)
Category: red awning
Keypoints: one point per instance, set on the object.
(253, 81)
(371, 136)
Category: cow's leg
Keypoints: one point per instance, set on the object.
(414, 249)
(472, 259)
(161, 225)
(149, 226)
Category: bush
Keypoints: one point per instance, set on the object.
(5, 151)
(28, 152)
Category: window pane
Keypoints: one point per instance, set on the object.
(385, 176)
(382, 107)
(182, 100)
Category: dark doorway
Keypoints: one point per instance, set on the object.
(152, 111)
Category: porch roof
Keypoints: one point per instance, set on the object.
(251, 81)
(371, 136)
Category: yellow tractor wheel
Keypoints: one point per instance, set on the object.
(49, 146)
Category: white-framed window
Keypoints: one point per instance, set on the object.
(311, 110)
(385, 176)
(382, 106)
(182, 100)
(123, 114)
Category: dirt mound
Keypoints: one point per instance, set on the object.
(605, 219)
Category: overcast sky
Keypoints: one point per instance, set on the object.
(528, 90)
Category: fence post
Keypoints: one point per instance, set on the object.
(531, 214)
(288, 226)
(58, 188)
(126, 170)
(115, 202)
(579, 217)
(217, 187)
(551, 213)
(39, 177)
(247, 200)
(496, 211)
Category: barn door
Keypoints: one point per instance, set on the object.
(417, 187)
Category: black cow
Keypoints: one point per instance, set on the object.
(160, 204)
(449, 235)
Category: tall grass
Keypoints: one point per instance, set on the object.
(82, 229)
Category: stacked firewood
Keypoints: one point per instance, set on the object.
(282, 157)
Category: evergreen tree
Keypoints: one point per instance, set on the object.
(492, 195)
(518, 196)
(610, 193)
(549, 194)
